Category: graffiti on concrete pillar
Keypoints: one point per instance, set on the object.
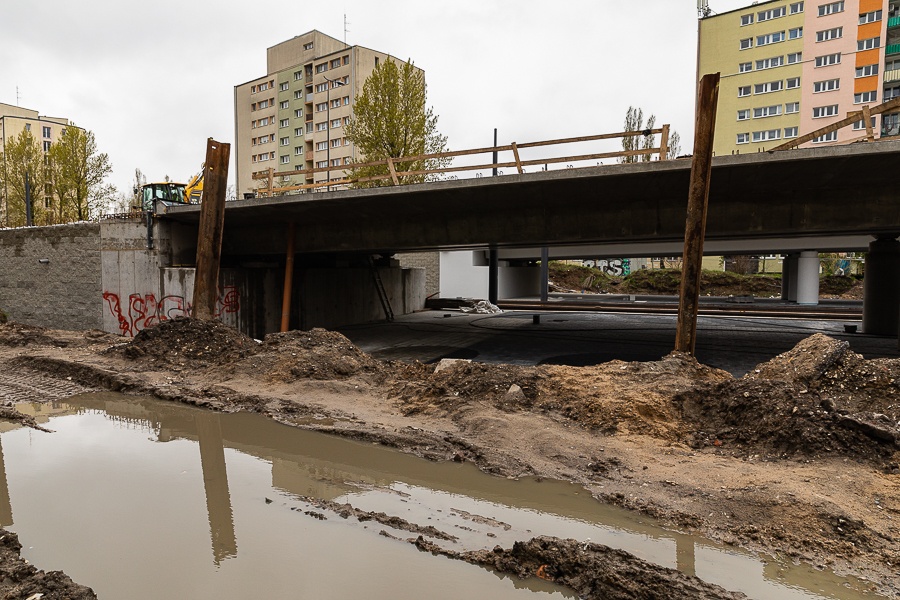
(144, 310)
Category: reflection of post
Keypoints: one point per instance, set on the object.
(684, 555)
(215, 481)
(5, 505)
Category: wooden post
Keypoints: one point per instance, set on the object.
(515, 150)
(271, 182)
(867, 121)
(212, 223)
(288, 278)
(695, 225)
(390, 163)
(664, 143)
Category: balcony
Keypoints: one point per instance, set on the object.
(892, 76)
(893, 22)
(892, 49)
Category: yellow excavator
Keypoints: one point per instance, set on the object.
(171, 193)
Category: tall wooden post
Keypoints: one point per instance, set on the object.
(212, 222)
(288, 278)
(695, 225)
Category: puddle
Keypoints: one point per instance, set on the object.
(145, 499)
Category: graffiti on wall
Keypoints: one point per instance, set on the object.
(616, 266)
(144, 310)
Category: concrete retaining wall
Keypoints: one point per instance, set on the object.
(50, 276)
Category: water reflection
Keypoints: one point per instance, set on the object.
(454, 497)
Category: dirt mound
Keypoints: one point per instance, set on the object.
(18, 579)
(185, 340)
(16, 334)
(594, 571)
(815, 399)
(315, 354)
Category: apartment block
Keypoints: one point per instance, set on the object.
(14, 120)
(293, 117)
(790, 68)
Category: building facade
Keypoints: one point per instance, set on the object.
(293, 117)
(46, 130)
(790, 68)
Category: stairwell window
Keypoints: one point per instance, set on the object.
(829, 85)
(820, 112)
(868, 44)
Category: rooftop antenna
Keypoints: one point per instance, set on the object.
(703, 8)
(346, 22)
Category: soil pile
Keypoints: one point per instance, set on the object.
(16, 334)
(815, 399)
(18, 579)
(184, 340)
(316, 354)
(594, 571)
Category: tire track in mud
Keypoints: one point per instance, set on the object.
(20, 384)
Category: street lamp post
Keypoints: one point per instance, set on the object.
(338, 83)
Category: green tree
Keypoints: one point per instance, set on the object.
(634, 121)
(23, 155)
(79, 172)
(391, 120)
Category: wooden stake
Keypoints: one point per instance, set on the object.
(288, 278)
(515, 150)
(664, 143)
(695, 225)
(390, 163)
(212, 223)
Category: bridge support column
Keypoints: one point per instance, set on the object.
(881, 297)
(808, 277)
(789, 277)
(493, 274)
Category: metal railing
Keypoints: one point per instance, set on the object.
(395, 176)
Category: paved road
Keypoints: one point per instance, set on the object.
(736, 344)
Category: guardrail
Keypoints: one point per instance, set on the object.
(394, 176)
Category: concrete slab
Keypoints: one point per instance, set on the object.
(736, 344)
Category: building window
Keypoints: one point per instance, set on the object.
(298, 132)
(745, 67)
(829, 34)
(285, 160)
(861, 124)
(770, 63)
(795, 34)
(890, 93)
(321, 126)
(796, 7)
(790, 132)
(308, 46)
(868, 44)
(744, 90)
(321, 164)
(46, 146)
(336, 143)
(335, 162)
(746, 43)
(865, 97)
(791, 107)
(46, 131)
(322, 145)
(773, 13)
(828, 137)
(346, 100)
(346, 141)
(828, 60)
(321, 106)
(285, 141)
(794, 58)
(746, 20)
(770, 38)
(763, 136)
(765, 88)
(284, 86)
(346, 121)
(767, 111)
(309, 128)
(321, 67)
(335, 63)
(298, 75)
(345, 59)
(298, 151)
(831, 8)
(285, 123)
(298, 95)
(285, 104)
(335, 123)
(340, 81)
(298, 113)
(322, 87)
(829, 85)
(743, 115)
(793, 82)
(870, 17)
(825, 111)
(867, 71)
(336, 103)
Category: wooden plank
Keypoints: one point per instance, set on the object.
(212, 224)
(695, 224)
(867, 121)
(852, 118)
(664, 143)
(518, 160)
(390, 164)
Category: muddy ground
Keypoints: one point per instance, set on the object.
(799, 458)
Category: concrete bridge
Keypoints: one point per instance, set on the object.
(798, 202)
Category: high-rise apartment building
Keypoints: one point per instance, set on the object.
(293, 117)
(45, 130)
(790, 68)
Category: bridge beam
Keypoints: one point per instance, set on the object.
(881, 292)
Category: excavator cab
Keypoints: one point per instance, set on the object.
(168, 193)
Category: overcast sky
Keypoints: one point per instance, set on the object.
(153, 80)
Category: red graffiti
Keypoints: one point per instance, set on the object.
(144, 311)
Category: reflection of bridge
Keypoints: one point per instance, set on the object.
(834, 198)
